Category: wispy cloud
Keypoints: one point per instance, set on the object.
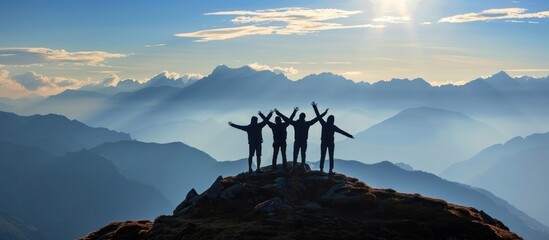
(10, 88)
(338, 63)
(31, 56)
(495, 14)
(393, 19)
(351, 73)
(467, 60)
(33, 81)
(528, 70)
(268, 22)
(154, 45)
(284, 70)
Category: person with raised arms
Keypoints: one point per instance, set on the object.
(327, 139)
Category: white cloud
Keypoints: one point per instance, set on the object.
(193, 76)
(338, 63)
(351, 73)
(495, 14)
(10, 88)
(111, 80)
(31, 56)
(268, 22)
(227, 33)
(285, 71)
(291, 63)
(393, 19)
(426, 23)
(154, 45)
(33, 81)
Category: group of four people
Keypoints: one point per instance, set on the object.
(301, 130)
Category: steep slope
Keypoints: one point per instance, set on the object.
(65, 197)
(521, 179)
(429, 139)
(169, 167)
(310, 205)
(387, 175)
(54, 133)
(487, 158)
(511, 170)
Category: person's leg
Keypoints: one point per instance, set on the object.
(323, 148)
(276, 146)
(258, 155)
(303, 153)
(331, 148)
(296, 151)
(283, 152)
(250, 156)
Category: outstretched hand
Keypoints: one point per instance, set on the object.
(230, 123)
(296, 109)
(314, 104)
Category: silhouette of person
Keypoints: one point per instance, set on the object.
(279, 137)
(255, 138)
(327, 139)
(301, 133)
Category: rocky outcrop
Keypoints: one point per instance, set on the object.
(309, 205)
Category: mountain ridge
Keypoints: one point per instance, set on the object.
(309, 205)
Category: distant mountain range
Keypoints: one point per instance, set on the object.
(429, 139)
(515, 170)
(64, 197)
(54, 133)
(507, 103)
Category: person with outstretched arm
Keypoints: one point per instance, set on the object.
(279, 137)
(327, 139)
(301, 133)
(255, 138)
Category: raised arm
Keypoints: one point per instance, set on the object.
(315, 107)
(265, 119)
(343, 133)
(293, 113)
(286, 119)
(318, 118)
(243, 128)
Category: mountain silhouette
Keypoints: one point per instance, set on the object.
(53, 133)
(169, 167)
(69, 195)
(428, 139)
(511, 170)
(309, 205)
(515, 110)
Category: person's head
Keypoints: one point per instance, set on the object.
(331, 119)
(302, 117)
(254, 120)
(278, 120)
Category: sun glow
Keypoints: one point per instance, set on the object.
(397, 8)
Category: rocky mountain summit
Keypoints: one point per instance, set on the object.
(304, 204)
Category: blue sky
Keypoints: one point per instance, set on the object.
(67, 44)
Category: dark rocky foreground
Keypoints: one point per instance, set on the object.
(300, 204)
